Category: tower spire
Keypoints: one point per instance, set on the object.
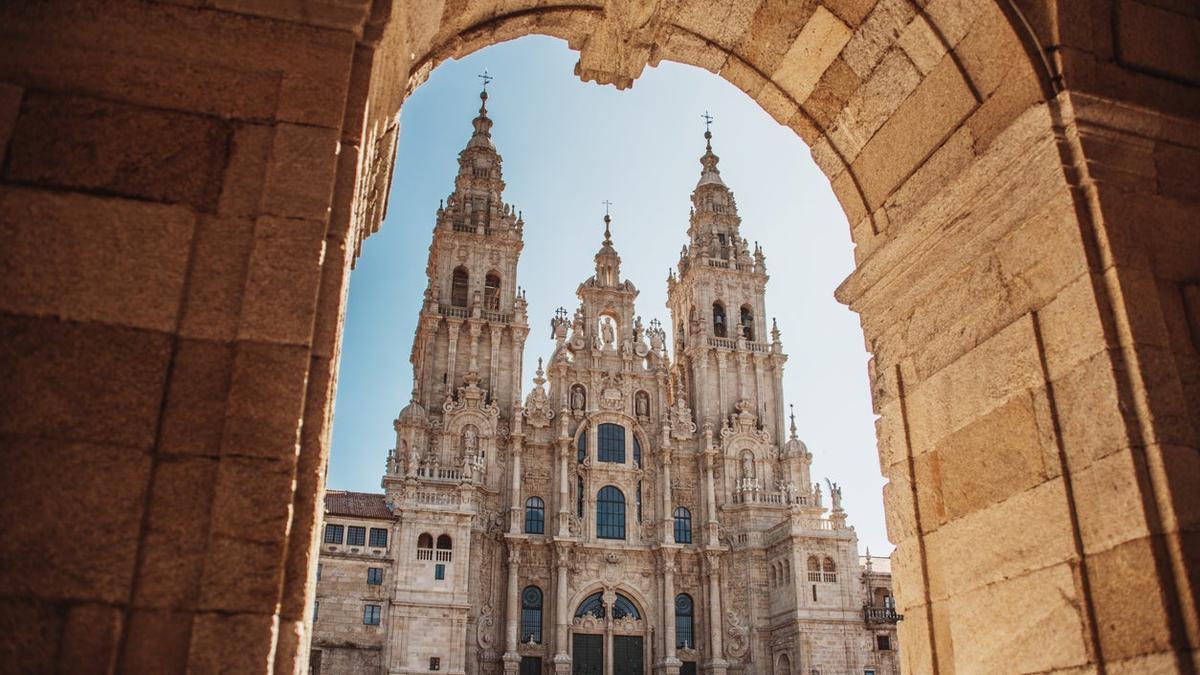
(710, 173)
(607, 222)
(792, 408)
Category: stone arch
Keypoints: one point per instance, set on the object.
(1065, 328)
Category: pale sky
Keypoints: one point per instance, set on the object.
(568, 146)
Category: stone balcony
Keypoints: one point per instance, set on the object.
(881, 615)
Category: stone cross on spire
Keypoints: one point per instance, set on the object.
(607, 221)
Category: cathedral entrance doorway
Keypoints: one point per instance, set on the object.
(588, 657)
(608, 636)
(627, 655)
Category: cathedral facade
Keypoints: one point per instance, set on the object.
(646, 507)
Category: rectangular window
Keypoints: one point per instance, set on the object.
(371, 614)
(439, 572)
(869, 671)
(610, 439)
(356, 536)
(378, 537)
(814, 592)
(333, 534)
(374, 576)
(435, 663)
(883, 642)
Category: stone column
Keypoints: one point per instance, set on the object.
(700, 386)
(710, 493)
(562, 655)
(667, 510)
(514, 508)
(453, 328)
(743, 373)
(722, 384)
(476, 329)
(609, 598)
(512, 611)
(777, 360)
(670, 663)
(494, 333)
(716, 663)
(518, 342)
(564, 485)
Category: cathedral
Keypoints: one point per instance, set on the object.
(646, 507)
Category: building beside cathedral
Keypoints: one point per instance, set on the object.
(646, 507)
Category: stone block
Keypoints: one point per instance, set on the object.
(280, 298)
(299, 178)
(1029, 531)
(1157, 40)
(814, 49)
(99, 146)
(849, 195)
(79, 548)
(197, 398)
(837, 84)
(773, 30)
(246, 171)
(177, 529)
(88, 382)
(926, 118)
(266, 401)
(876, 35)
(30, 635)
(1109, 500)
(90, 639)
(1016, 93)
(156, 642)
(1127, 584)
(851, 11)
(1092, 422)
(90, 258)
(217, 278)
(942, 167)
(1178, 171)
(1042, 613)
(874, 102)
(232, 643)
(260, 513)
(242, 576)
(1072, 327)
(922, 43)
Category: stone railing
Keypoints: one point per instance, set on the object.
(734, 343)
(496, 317)
(435, 498)
(455, 312)
(440, 474)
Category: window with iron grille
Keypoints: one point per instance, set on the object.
(531, 615)
(683, 525)
(371, 614)
(685, 622)
(379, 537)
(610, 513)
(333, 534)
(374, 576)
(356, 535)
(610, 443)
(535, 516)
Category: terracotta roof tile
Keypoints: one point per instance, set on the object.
(358, 504)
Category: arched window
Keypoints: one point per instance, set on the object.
(610, 443)
(785, 665)
(830, 570)
(579, 497)
(491, 292)
(637, 451)
(719, 323)
(683, 525)
(535, 516)
(458, 287)
(747, 322)
(581, 445)
(444, 543)
(531, 614)
(814, 568)
(610, 513)
(593, 605)
(425, 540)
(685, 622)
(624, 607)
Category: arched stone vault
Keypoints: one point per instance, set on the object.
(185, 186)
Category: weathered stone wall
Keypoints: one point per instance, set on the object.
(184, 188)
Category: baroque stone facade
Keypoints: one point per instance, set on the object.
(645, 507)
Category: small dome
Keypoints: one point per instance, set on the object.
(412, 413)
(795, 447)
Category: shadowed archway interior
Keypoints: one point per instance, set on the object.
(185, 187)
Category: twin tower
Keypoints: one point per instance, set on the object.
(642, 508)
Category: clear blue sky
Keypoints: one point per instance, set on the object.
(568, 146)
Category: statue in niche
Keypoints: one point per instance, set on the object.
(578, 398)
(608, 333)
(747, 465)
(470, 440)
(835, 495)
(642, 405)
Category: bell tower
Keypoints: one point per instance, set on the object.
(728, 359)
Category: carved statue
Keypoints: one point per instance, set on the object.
(835, 494)
(608, 333)
(578, 399)
(747, 465)
(470, 441)
(643, 404)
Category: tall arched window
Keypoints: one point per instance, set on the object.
(535, 516)
(814, 568)
(610, 443)
(581, 445)
(719, 323)
(531, 614)
(610, 513)
(491, 292)
(579, 497)
(458, 287)
(683, 525)
(425, 546)
(685, 622)
(830, 570)
(637, 451)
(747, 319)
